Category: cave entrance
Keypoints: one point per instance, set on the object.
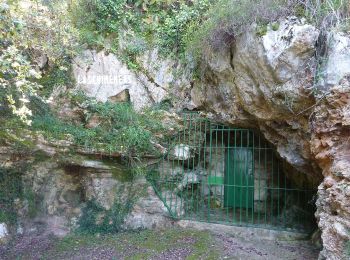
(231, 176)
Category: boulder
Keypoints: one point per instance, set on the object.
(337, 64)
(175, 204)
(188, 179)
(3, 232)
(148, 212)
(181, 152)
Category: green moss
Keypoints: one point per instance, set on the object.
(95, 219)
(32, 200)
(145, 244)
(261, 30)
(119, 171)
(56, 76)
(10, 190)
(121, 129)
(275, 26)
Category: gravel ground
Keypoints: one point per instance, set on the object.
(238, 248)
(158, 245)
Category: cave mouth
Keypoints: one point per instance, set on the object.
(233, 176)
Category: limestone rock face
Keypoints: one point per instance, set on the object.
(268, 83)
(338, 61)
(66, 185)
(331, 147)
(149, 212)
(169, 74)
(265, 82)
(104, 76)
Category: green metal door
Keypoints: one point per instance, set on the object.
(239, 178)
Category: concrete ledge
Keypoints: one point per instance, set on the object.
(245, 232)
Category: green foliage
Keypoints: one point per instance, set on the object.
(55, 77)
(15, 69)
(95, 219)
(160, 23)
(53, 128)
(328, 13)
(261, 30)
(227, 19)
(120, 129)
(28, 30)
(97, 19)
(176, 27)
(14, 133)
(10, 190)
(275, 26)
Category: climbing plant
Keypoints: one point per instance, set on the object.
(30, 30)
(97, 219)
(10, 189)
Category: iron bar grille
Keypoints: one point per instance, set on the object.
(231, 176)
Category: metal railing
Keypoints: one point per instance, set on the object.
(231, 176)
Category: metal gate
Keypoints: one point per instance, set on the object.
(230, 176)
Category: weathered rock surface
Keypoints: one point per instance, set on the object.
(104, 76)
(338, 60)
(188, 179)
(181, 152)
(65, 184)
(265, 82)
(331, 147)
(268, 83)
(149, 211)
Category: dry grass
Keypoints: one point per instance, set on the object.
(229, 18)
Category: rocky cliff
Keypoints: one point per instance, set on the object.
(276, 83)
(291, 84)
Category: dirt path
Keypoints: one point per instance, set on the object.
(169, 244)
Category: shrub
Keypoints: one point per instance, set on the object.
(121, 128)
(28, 30)
(171, 33)
(10, 190)
(229, 18)
(95, 219)
(162, 23)
(328, 13)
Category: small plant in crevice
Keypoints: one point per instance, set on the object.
(10, 190)
(55, 77)
(120, 128)
(14, 196)
(96, 219)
